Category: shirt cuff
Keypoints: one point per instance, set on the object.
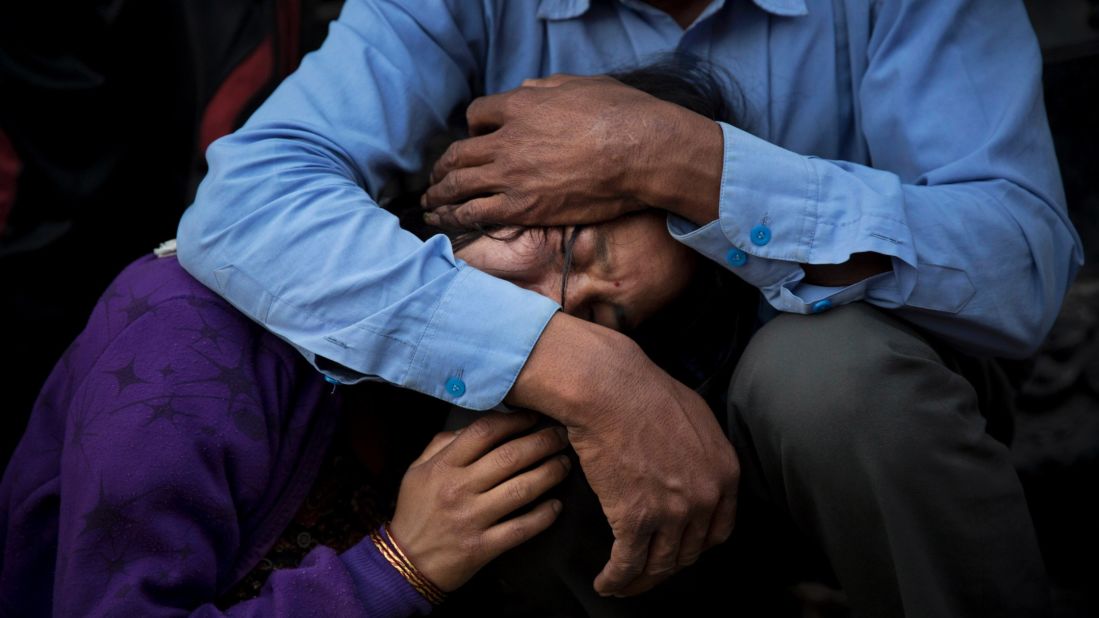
(781, 205)
(472, 349)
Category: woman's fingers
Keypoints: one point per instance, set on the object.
(510, 457)
(485, 433)
(522, 489)
(518, 530)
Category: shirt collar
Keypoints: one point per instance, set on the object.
(569, 9)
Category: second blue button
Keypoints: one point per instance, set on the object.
(455, 386)
(761, 235)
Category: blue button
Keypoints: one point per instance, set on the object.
(821, 306)
(736, 257)
(455, 386)
(761, 235)
(331, 380)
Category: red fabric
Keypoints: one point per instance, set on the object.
(289, 21)
(225, 107)
(10, 167)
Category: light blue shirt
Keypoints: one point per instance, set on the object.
(909, 128)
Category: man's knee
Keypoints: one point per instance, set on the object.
(840, 383)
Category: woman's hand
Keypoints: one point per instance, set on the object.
(454, 497)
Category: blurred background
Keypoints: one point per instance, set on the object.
(106, 108)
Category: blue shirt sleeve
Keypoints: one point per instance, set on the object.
(285, 228)
(964, 194)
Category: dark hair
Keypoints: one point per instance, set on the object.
(690, 82)
(680, 78)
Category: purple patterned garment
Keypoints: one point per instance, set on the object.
(170, 447)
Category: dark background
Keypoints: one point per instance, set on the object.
(106, 108)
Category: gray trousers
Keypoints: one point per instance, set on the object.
(861, 445)
(854, 427)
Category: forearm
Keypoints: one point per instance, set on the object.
(571, 365)
(683, 173)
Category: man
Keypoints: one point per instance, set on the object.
(852, 423)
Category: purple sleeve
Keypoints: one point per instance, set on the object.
(172, 440)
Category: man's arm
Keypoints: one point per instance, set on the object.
(284, 227)
(959, 226)
(964, 198)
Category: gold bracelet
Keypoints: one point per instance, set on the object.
(436, 591)
(388, 549)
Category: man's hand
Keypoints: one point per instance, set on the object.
(569, 150)
(650, 447)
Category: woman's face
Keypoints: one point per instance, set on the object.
(621, 272)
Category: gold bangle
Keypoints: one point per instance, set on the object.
(387, 548)
(438, 592)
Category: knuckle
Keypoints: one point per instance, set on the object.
(547, 440)
(452, 158)
(450, 495)
(660, 570)
(689, 559)
(451, 183)
(562, 466)
(436, 467)
(628, 567)
(483, 428)
(646, 518)
(505, 456)
(472, 109)
(517, 533)
(471, 544)
(709, 496)
(519, 491)
(677, 510)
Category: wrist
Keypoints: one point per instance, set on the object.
(685, 165)
(568, 368)
(395, 555)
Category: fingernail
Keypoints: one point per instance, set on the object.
(556, 506)
(431, 218)
(563, 434)
(564, 459)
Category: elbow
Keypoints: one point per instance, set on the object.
(189, 240)
(1025, 336)
(205, 220)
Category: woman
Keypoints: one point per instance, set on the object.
(179, 454)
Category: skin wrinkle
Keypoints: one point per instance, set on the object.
(616, 274)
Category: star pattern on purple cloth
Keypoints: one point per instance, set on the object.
(127, 375)
(106, 517)
(165, 411)
(78, 433)
(235, 376)
(137, 307)
(206, 332)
